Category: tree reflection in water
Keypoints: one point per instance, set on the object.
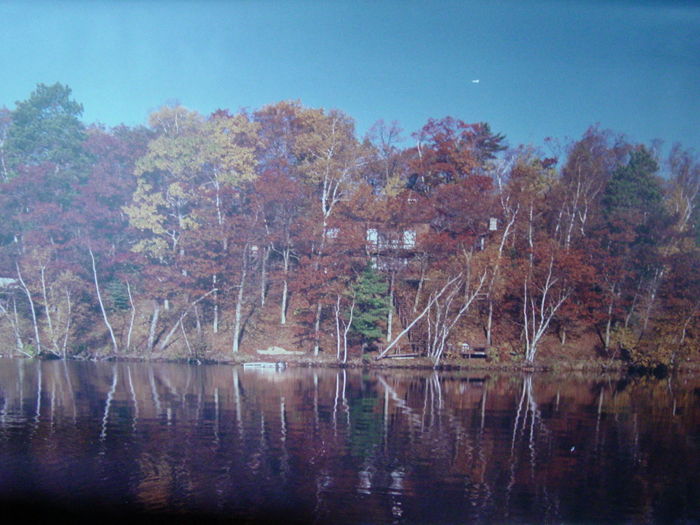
(347, 446)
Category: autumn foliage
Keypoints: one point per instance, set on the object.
(201, 236)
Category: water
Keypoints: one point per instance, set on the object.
(109, 440)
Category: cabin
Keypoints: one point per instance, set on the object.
(392, 249)
(8, 282)
(383, 240)
(472, 352)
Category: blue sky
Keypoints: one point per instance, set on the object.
(545, 68)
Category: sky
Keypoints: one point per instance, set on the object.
(545, 68)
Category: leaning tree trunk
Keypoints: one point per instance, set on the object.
(47, 308)
(433, 298)
(102, 306)
(31, 307)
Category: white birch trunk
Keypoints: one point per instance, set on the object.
(31, 307)
(239, 303)
(102, 306)
(133, 316)
(154, 323)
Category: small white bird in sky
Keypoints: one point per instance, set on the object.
(475, 81)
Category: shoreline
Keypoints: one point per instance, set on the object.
(456, 365)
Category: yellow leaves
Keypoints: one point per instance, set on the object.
(177, 157)
(144, 212)
(230, 148)
(189, 156)
(394, 185)
(155, 247)
(177, 190)
(175, 120)
(194, 150)
(624, 338)
(189, 223)
(530, 177)
(327, 147)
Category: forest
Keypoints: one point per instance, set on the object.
(207, 237)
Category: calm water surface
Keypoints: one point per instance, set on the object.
(335, 446)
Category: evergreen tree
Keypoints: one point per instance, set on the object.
(46, 128)
(633, 206)
(635, 186)
(371, 305)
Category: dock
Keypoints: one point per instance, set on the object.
(266, 364)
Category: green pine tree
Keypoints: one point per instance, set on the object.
(371, 305)
(635, 186)
(46, 128)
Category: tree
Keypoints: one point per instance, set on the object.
(634, 211)
(449, 149)
(547, 285)
(387, 166)
(5, 121)
(589, 166)
(684, 191)
(371, 306)
(635, 186)
(46, 128)
(328, 158)
(189, 189)
(281, 202)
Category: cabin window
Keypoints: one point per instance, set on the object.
(332, 233)
(372, 236)
(409, 239)
(493, 224)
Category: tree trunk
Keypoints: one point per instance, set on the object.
(133, 316)
(283, 306)
(337, 328)
(495, 273)
(14, 322)
(68, 324)
(608, 325)
(317, 328)
(183, 314)
(102, 306)
(215, 321)
(263, 275)
(416, 300)
(47, 308)
(239, 304)
(18, 335)
(536, 319)
(154, 324)
(37, 339)
(198, 322)
(489, 323)
(347, 329)
(653, 287)
(390, 314)
(431, 301)
(285, 286)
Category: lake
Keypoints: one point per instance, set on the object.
(139, 440)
